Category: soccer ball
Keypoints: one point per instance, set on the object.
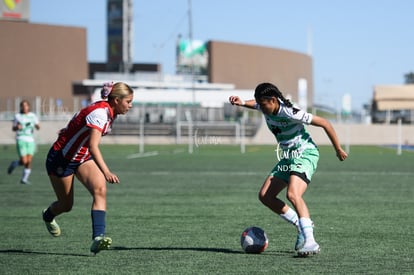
(254, 240)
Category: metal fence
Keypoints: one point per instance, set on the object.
(174, 120)
(53, 109)
(45, 108)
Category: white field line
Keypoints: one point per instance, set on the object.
(142, 155)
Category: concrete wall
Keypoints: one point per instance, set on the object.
(353, 134)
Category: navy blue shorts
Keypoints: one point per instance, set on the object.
(59, 166)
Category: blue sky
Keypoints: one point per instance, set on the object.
(355, 44)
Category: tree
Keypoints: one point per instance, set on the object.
(409, 78)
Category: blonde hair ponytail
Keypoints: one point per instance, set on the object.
(112, 90)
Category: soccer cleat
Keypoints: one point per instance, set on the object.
(100, 243)
(25, 182)
(52, 226)
(310, 249)
(12, 166)
(300, 241)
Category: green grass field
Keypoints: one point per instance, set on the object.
(181, 213)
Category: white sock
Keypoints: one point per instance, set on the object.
(26, 174)
(291, 217)
(306, 226)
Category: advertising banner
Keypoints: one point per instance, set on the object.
(192, 57)
(17, 10)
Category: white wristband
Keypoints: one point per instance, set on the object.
(242, 103)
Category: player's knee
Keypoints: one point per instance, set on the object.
(264, 198)
(66, 206)
(100, 192)
(292, 197)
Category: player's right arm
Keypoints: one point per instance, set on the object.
(16, 124)
(235, 100)
(17, 127)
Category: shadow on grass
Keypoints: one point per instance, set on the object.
(122, 248)
(205, 249)
(200, 249)
(21, 251)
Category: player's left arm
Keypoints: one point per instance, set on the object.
(330, 131)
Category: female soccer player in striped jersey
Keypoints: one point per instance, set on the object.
(298, 156)
(76, 153)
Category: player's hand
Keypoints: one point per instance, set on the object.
(235, 100)
(341, 154)
(111, 177)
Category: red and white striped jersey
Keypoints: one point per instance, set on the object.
(73, 140)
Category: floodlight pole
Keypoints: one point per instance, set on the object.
(190, 36)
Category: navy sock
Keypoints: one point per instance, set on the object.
(48, 216)
(98, 223)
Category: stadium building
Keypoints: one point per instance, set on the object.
(48, 64)
(393, 102)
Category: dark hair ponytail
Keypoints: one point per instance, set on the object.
(106, 89)
(270, 90)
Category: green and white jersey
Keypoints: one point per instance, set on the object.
(288, 128)
(28, 122)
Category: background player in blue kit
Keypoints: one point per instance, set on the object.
(298, 162)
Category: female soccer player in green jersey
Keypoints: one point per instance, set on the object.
(298, 157)
(24, 124)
